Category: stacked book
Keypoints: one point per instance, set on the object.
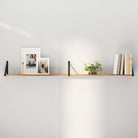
(123, 64)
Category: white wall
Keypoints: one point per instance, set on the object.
(62, 107)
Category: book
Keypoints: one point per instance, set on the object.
(119, 64)
(115, 64)
(122, 64)
(128, 64)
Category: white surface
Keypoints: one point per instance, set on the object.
(62, 107)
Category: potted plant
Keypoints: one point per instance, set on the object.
(93, 68)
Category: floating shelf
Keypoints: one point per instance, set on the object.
(65, 75)
(7, 74)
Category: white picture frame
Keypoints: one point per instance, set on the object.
(29, 61)
(43, 66)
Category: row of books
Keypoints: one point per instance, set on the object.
(123, 64)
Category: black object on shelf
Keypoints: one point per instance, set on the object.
(132, 71)
(68, 68)
(6, 69)
(71, 67)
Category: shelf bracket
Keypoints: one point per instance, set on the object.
(132, 71)
(6, 69)
(68, 68)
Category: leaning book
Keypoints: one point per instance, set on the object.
(116, 64)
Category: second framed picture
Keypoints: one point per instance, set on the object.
(43, 66)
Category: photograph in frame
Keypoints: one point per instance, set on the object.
(29, 62)
(43, 66)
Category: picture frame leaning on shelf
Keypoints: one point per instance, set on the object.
(29, 60)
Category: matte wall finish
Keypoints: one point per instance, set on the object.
(63, 107)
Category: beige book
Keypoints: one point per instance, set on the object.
(127, 64)
(122, 64)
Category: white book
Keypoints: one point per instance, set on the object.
(130, 64)
(115, 68)
(119, 63)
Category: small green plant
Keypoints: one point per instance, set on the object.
(93, 68)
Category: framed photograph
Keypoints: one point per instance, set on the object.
(30, 58)
(43, 66)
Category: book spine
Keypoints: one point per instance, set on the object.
(127, 64)
(115, 64)
(122, 64)
(119, 64)
(130, 64)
